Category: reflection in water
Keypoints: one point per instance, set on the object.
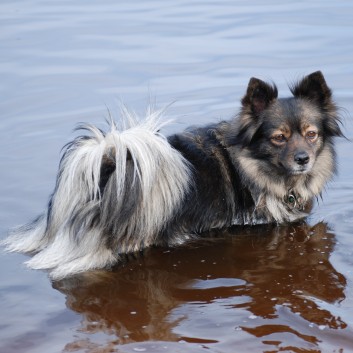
(254, 281)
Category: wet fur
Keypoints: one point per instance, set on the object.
(120, 191)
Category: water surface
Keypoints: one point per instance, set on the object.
(261, 289)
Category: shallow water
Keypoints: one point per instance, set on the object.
(262, 289)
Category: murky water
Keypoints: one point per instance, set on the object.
(262, 289)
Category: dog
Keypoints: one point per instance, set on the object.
(120, 191)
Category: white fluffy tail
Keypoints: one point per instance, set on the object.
(114, 193)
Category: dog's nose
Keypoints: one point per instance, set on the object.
(301, 158)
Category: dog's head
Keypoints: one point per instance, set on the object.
(288, 133)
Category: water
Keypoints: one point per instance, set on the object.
(286, 288)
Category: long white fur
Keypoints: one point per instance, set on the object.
(160, 173)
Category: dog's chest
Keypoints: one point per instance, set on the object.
(271, 209)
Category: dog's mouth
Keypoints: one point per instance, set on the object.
(297, 169)
(300, 171)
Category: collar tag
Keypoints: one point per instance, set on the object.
(293, 200)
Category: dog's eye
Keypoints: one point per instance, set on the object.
(279, 138)
(311, 135)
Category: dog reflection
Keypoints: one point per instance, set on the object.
(271, 266)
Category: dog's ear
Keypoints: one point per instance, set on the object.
(313, 87)
(259, 95)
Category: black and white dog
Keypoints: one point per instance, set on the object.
(120, 191)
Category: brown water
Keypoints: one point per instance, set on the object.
(270, 289)
(260, 289)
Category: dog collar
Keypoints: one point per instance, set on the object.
(294, 200)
